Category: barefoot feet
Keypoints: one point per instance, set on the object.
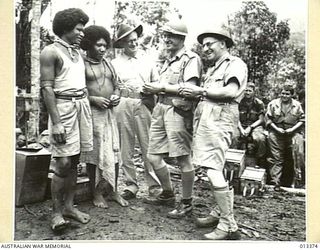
(58, 223)
(116, 197)
(76, 215)
(99, 201)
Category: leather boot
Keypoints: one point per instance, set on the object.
(218, 234)
(209, 221)
(183, 209)
(227, 228)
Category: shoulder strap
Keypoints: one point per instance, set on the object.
(185, 58)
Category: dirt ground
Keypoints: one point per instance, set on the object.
(274, 216)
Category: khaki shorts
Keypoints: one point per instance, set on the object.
(214, 126)
(76, 118)
(168, 133)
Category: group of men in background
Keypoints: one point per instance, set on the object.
(98, 108)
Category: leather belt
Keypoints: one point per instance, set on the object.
(226, 103)
(71, 97)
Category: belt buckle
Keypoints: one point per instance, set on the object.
(124, 93)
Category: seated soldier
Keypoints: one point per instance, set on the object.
(250, 125)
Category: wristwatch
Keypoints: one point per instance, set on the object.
(204, 93)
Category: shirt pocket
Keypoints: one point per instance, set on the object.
(219, 81)
(276, 111)
(243, 116)
(173, 78)
(253, 116)
(294, 116)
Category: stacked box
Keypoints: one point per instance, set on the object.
(250, 161)
(235, 161)
(31, 176)
(253, 181)
(234, 167)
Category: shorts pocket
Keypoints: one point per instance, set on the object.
(216, 112)
(65, 108)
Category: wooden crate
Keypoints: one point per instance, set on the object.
(253, 181)
(31, 176)
(234, 165)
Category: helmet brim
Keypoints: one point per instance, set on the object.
(117, 41)
(229, 41)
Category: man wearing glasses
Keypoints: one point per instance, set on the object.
(171, 125)
(215, 121)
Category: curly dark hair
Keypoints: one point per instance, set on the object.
(65, 20)
(92, 34)
(251, 85)
(288, 87)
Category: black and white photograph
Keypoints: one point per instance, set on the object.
(167, 121)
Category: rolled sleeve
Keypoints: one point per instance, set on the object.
(260, 108)
(269, 115)
(237, 69)
(192, 69)
(301, 114)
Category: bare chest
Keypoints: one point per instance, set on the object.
(97, 72)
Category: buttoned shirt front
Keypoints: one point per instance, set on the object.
(181, 68)
(250, 111)
(133, 72)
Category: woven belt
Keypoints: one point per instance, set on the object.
(130, 94)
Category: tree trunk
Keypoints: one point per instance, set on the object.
(33, 124)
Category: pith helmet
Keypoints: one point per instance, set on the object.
(219, 34)
(125, 30)
(176, 27)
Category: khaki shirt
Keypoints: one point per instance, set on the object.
(226, 68)
(250, 112)
(181, 68)
(133, 72)
(284, 120)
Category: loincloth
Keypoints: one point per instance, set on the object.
(106, 152)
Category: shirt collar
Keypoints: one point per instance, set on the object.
(290, 102)
(178, 55)
(279, 102)
(249, 100)
(223, 58)
(212, 69)
(127, 57)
